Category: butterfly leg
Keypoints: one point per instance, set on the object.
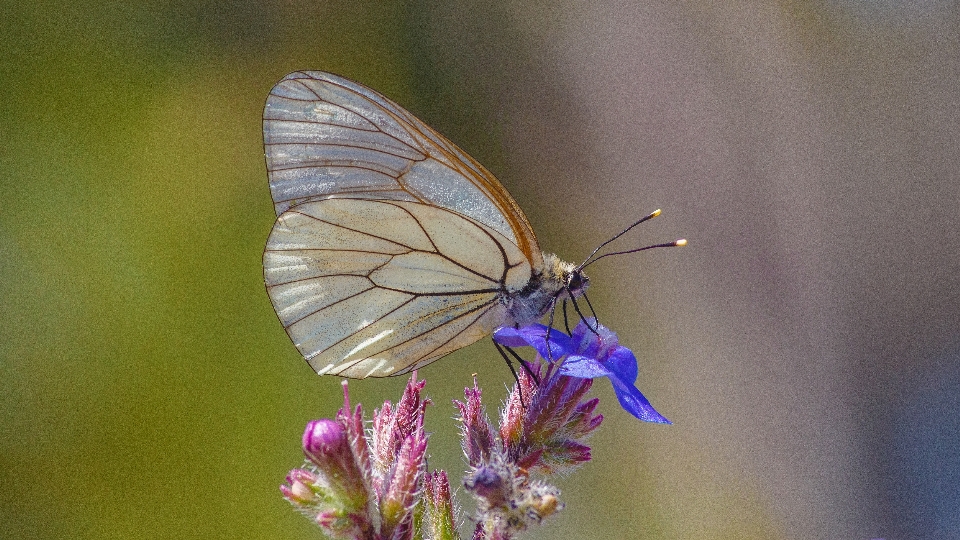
(580, 314)
(592, 311)
(508, 361)
(546, 338)
(523, 364)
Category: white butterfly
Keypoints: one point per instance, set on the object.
(392, 247)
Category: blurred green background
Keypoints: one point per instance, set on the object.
(806, 344)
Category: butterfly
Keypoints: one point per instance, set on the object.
(392, 247)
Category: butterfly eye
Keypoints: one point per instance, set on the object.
(577, 282)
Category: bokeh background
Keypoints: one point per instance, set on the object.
(806, 344)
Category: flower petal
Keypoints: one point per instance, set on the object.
(534, 335)
(623, 363)
(590, 338)
(583, 367)
(634, 403)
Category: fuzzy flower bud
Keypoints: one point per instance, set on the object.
(298, 489)
(326, 446)
(547, 435)
(438, 507)
(508, 501)
(476, 433)
(364, 486)
(402, 485)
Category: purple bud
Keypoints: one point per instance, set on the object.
(323, 438)
(437, 487)
(326, 445)
(513, 417)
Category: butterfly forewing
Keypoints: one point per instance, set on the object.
(328, 136)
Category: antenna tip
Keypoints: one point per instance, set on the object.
(680, 242)
(656, 213)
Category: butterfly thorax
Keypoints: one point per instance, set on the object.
(558, 280)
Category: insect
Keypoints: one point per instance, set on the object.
(392, 246)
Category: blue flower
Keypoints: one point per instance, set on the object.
(588, 355)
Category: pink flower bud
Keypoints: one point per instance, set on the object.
(322, 439)
(326, 445)
(297, 490)
(476, 431)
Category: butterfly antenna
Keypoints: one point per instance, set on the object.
(676, 243)
(649, 216)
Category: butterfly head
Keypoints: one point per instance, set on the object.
(573, 282)
(577, 282)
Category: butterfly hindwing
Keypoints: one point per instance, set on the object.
(374, 288)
